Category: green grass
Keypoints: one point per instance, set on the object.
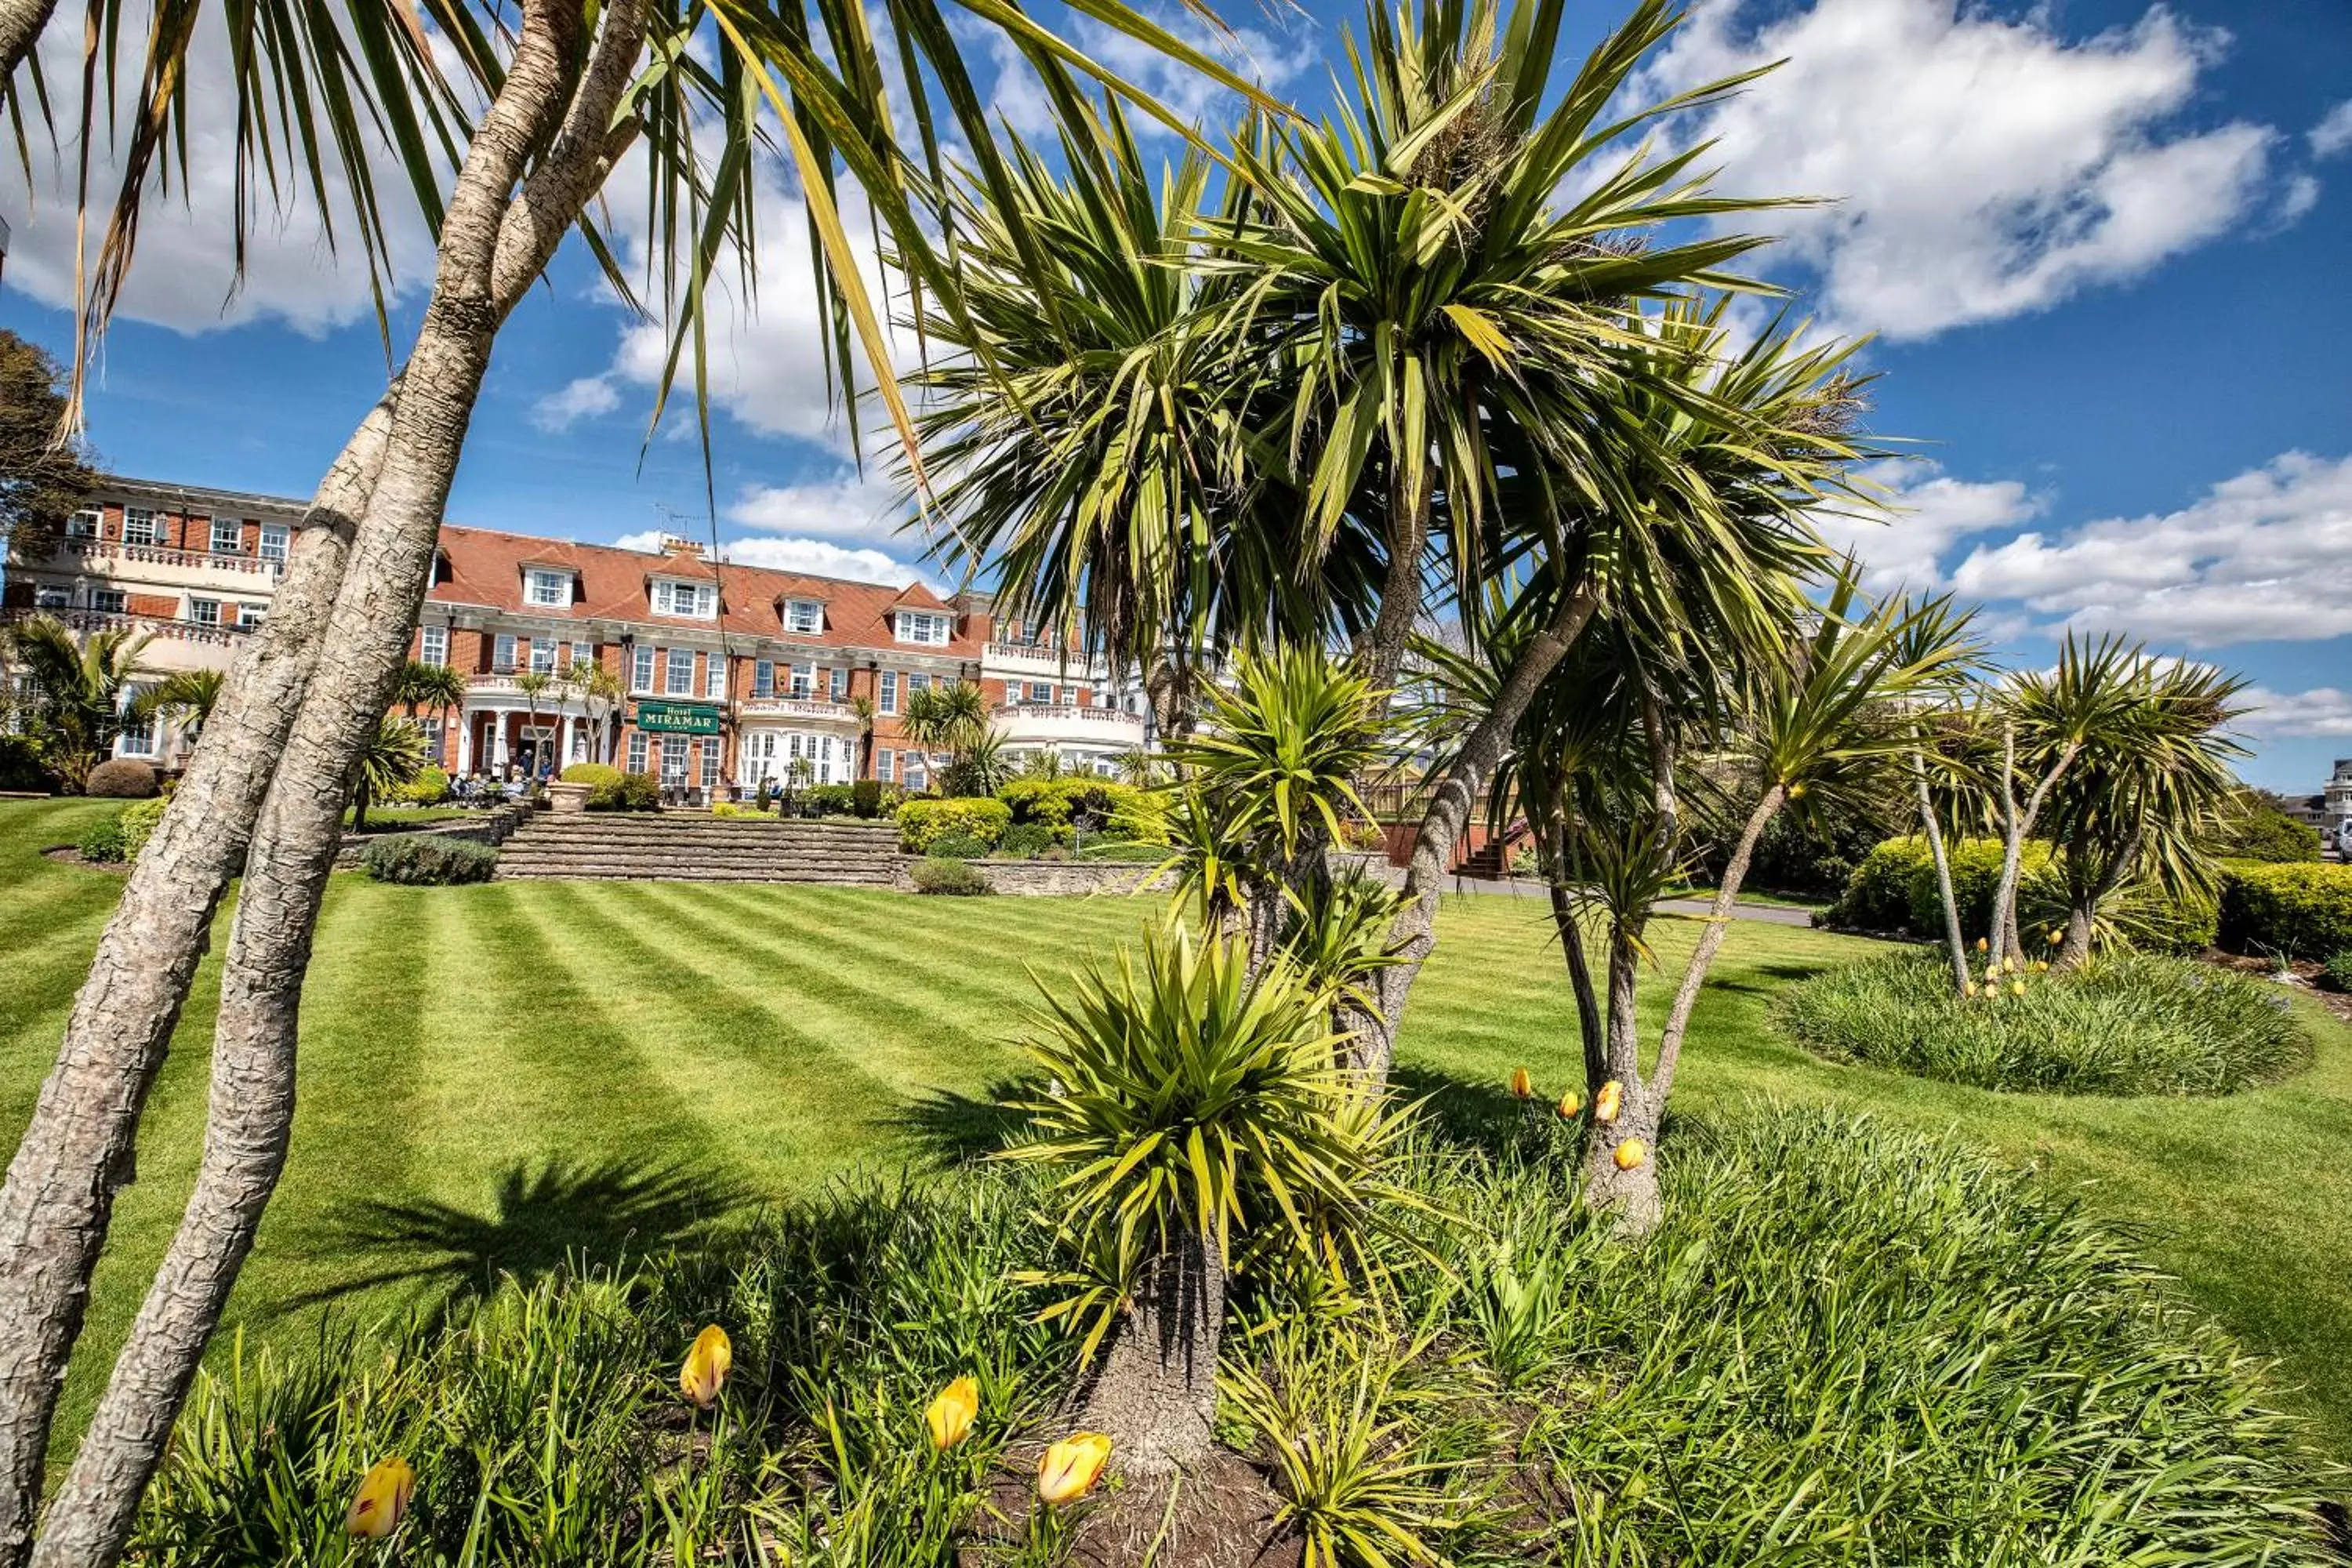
(493, 1074)
(2133, 1024)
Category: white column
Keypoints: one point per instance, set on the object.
(499, 743)
(465, 742)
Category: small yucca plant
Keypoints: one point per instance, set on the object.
(1200, 1113)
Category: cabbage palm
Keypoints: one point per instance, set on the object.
(2145, 792)
(81, 688)
(1201, 1117)
(186, 697)
(393, 758)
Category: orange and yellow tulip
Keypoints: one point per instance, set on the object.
(382, 1499)
(1630, 1153)
(1522, 1085)
(950, 1415)
(1609, 1102)
(1984, 945)
(1068, 1470)
(2056, 936)
(1570, 1104)
(2017, 988)
(705, 1372)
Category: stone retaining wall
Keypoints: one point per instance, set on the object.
(1052, 879)
(491, 828)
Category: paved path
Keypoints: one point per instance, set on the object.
(1771, 914)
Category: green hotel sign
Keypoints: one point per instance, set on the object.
(678, 718)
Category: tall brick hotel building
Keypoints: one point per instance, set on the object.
(730, 672)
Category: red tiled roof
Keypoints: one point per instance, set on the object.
(486, 567)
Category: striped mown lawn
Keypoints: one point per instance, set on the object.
(494, 1075)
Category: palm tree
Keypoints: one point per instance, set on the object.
(435, 689)
(390, 762)
(950, 725)
(2145, 792)
(601, 693)
(567, 93)
(185, 698)
(82, 690)
(536, 686)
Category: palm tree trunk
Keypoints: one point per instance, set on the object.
(1155, 1394)
(1380, 654)
(1955, 941)
(2089, 897)
(1414, 933)
(77, 1151)
(495, 240)
(2018, 825)
(1564, 921)
(21, 25)
(1710, 941)
(1629, 1198)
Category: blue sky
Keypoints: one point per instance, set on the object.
(2101, 244)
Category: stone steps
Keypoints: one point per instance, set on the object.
(598, 846)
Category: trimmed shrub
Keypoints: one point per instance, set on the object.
(1877, 894)
(429, 861)
(429, 787)
(1976, 877)
(122, 778)
(957, 846)
(590, 774)
(2296, 912)
(102, 842)
(831, 799)
(1059, 803)
(1025, 840)
(923, 823)
(950, 879)
(728, 808)
(625, 792)
(2133, 1024)
(2260, 831)
(2338, 970)
(866, 798)
(138, 822)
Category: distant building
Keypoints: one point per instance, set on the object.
(733, 674)
(2335, 800)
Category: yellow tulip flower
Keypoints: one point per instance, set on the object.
(1522, 1086)
(1570, 1104)
(950, 1415)
(1631, 1153)
(1970, 989)
(2010, 963)
(1608, 1102)
(2056, 936)
(1068, 1470)
(705, 1372)
(382, 1499)
(1984, 945)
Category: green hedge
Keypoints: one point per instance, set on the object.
(2301, 911)
(102, 842)
(1055, 804)
(122, 778)
(2260, 831)
(923, 823)
(949, 879)
(830, 799)
(624, 791)
(138, 823)
(591, 773)
(20, 765)
(429, 861)
(429, 787)
(1894, 889)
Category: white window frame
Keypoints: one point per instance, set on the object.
(890, 698)
(885, 762)
(52, 596)
(250, 614)
(840, 686)
(542, 656)
(1042, 693)
(763, 677)
(502, 653)
(644, 669)
(274, 538)
(670, 591)
(432, 646)
(805, 618)
(86, 524)
(549, 590)
(149, 525)
(121, 604)
(917, 627)
(803, 680)
(677, 673)
(711, 762)
(583, 653)
(203, 612)
(236, 545)
(714, 677)
(638, 756)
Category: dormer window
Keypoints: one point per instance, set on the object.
(699, 600)
(804, 616)
(546, 588)
(921, 626)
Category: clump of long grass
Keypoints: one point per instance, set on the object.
(1847, 1343)
(2130, 1024)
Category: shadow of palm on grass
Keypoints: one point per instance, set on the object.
(950, 1129)
(543, 1217)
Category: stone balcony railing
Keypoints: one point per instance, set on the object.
(1021, 721)
(798, 708)
(168, 626)
(163, 555)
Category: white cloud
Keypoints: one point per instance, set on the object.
(2302, 195)
(1981, 167)
(2322, 710)
(849, 506)
(2333, 134)
(589, 397)
(2265, 556)
(1929, 513)
(183, 274)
